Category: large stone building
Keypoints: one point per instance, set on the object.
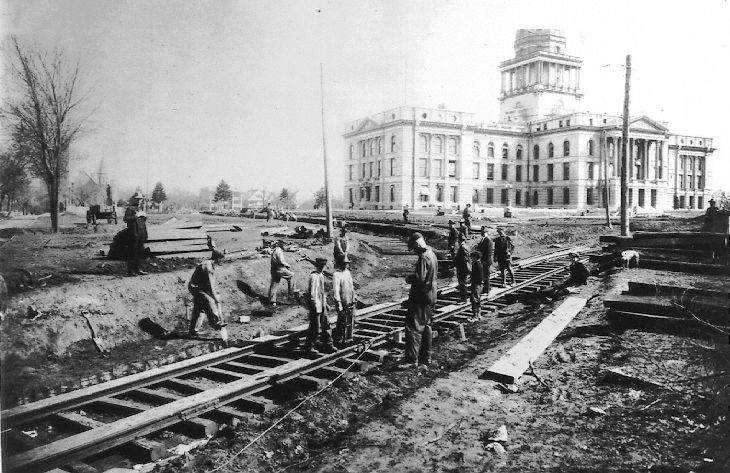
(543, 152)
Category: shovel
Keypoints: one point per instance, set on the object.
(100, 344)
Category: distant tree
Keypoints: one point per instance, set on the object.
(288, 199)
(222, 192)
(44, 110)
(722, 200)
(13, 178)
(158, 194)
(320, 198)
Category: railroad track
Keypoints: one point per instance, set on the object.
(123, 417)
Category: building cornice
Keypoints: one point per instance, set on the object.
(701, 149)
(532, 90)
(538, 55)
(381, 127)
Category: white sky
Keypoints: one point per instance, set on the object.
(206, 90)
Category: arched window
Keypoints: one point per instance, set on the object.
(590, 147)
(519, 151)
(551, 150)
(505, 151)
(392, 143)
(424, 143)
(439, 145)
(352, 151)
(372, 147)
(490, 150)
(566, 148)
(536, 151)
(452, 145)
(477, 151)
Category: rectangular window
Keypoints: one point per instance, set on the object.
(550, 196)
(681, 202)
(518, 197)
(392, 193)
(535, 198)
(371, 169)
(423, 167)
(377, 193)
(490, 195)
(560, 124)
(589, 196)
(590, 171)
(475, 196)
(475, 171)
(660, 172)
(566, 196)
(631, 196)
(682, 181)
(362, 193)
(567, 122)
(380, 168)
(392, 166)
(550, 175)
(352, 196)
(439, 171)
(566, 171)
(535, 172)
(642, 195)
(490, 172)
(653, 198)
(700, 183)
(691, 182)
(453, 193)
(367, 193)
(691, 202)
(700, 202)
(363, 170)
(439, 193)
(682, 162)
(349, 173)
(452, 169)
(504, 172)
(503, 196)
(518, 173)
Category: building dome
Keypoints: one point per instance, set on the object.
(531, 41)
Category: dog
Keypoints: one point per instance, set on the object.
(627, 256)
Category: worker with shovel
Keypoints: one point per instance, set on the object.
(206, 298)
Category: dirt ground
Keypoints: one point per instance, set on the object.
(436, 419)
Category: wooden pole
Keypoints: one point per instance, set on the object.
(328, 210)
(606, 190)
(624, 155)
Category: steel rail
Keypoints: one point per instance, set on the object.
(116, 433)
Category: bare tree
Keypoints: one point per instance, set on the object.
(45, 112)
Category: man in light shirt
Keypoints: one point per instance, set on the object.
(345, 299)
(319, 325)
(206, 297)
(280, 269)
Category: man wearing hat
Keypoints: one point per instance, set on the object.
(453, 236)
(318, 322)
(345, 298)
(486, 248)
(467, 218)
(136, 221)
(421, 301)
(462, 263)
(206, 297)
(503, 249)
(578, 272)
(280, 269)
(341, 246)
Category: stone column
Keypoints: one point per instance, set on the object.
(645, 160)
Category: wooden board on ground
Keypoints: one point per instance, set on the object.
(512, 364)
(636, 287)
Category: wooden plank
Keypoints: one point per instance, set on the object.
(686, 243)
(643, 288)
(512, 364)
(248, 404)
(685, 267)
(662, 324)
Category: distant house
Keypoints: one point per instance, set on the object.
(256, 200)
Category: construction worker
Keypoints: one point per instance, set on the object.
(319, 325)
(578, 272)
(206, 297)
(280, 269)
(503, 249)
(477, 276)
(486, 248)
(453, 236)
(136, 220)
(462, 229)
(341, 245)
(463, 266)
(345, 299)
(406, 212)
(467, 218)
(421, 301)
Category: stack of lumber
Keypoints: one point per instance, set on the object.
(692, 252)
(166, 241)
(669, 309)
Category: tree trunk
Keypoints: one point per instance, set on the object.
(53, 203)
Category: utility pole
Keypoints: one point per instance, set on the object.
(606, 190)
(328, 210)
(624, 155)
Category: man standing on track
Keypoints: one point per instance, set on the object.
(206, 298)
(421, 301)
(318, 322)
(477, 276)
(280, 269)
(486, 248)
(345, 298)
(453, 237)
(463, 266)
(467, 218)
(503, 249)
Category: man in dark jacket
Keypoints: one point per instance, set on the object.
(463, 266)
(477, 276)
(503, 249)
(136, 221)
(206, 297)
(421, 301)
(467, 218)
(486, 248)
(453, 236)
